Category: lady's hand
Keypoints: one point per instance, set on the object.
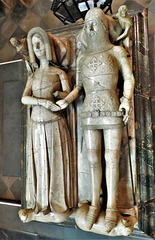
(49, 105)
(62, 103)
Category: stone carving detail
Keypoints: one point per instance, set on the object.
(126, 23)
(51, 177)
(102, 115)
(97, 103)
(94, 63)
(124, 225)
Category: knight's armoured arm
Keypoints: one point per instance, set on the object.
(128, 78)
(75, 93)
(128, 82)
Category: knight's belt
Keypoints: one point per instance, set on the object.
(101, 114)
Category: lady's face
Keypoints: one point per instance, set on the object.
(38, 46)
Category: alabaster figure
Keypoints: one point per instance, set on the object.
(113, 27)
(60, 51)
(102, 113)
(119, 26)
(125, 23)
(21, 48)
(50, 177)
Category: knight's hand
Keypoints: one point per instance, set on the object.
(125, 107)
(62, 103)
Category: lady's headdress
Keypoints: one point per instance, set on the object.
(43, 34)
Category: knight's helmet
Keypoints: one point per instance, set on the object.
(97, 14)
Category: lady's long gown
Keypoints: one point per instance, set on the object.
(50, 180)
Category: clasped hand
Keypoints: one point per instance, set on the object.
(49, 105)
(62, 103)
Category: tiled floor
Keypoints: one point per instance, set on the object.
(10, 187)
(17, 17)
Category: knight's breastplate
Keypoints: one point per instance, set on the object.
(100, 77)
(100, 64)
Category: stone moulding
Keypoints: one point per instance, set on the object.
(143, 119)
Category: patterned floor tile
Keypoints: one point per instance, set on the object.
(8, 28)
(152, 7)
(2, 13)
(15, 189)
(8, 195)
(31, 20)
(9, 4)
(2, 41)
(19, 12)
(17, 56)
(40, 8)
(133, 6)
(7, 11)
(151, 18)
(2, 20)
(28, 3)
(44, 26)
(19, 33)
(116, 5)
(10, 188)
(8, 180)
(144, 3)
(7, 52)
(51, 20)
(3, 187)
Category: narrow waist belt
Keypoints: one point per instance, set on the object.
(101, 114)
(44, 121)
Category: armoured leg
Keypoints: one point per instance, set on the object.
(112, 138)
(93, 142)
